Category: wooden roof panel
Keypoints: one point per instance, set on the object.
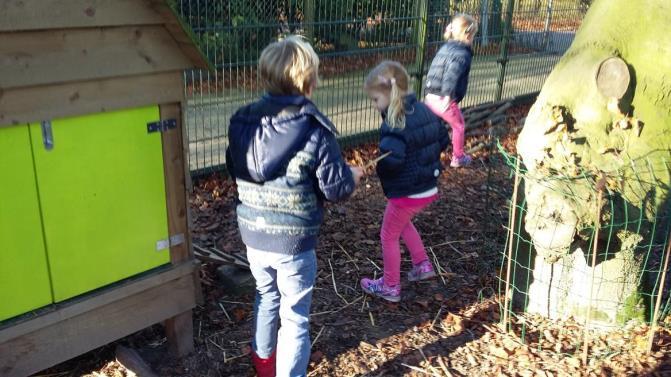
(67, 55)
(32, 15)
(21, 15)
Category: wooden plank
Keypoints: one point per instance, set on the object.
(182, 34)
(133, 362)
(66, 55)
(179, 331)
(76, 307)
(55, 14)
(26, 105)
(65, 339)
(175, 182)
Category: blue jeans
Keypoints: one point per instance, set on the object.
(284, 285)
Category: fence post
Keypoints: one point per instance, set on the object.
(309, 19)
(503, 58)
(548, 21)
(420, 41)
(484, 5)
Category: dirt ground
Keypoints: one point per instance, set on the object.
(444, 327)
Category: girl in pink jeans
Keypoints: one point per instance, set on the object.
(414, 137)
(447, 80)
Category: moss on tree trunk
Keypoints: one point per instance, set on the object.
(579, 134)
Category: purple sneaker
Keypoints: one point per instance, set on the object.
(379, 289)
(458, 162)
(421, 271)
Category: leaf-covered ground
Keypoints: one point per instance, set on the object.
(444, 327)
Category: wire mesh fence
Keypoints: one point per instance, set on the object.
(589, 246)
(518, 44)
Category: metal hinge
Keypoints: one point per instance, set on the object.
(161, 125)
(175, 240)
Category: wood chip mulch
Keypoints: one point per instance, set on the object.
(445, 327)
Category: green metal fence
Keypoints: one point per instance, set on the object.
(518, 44)
(612, 275)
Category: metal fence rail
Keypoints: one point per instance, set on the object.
(518, 44)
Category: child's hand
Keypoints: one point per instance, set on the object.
(357, 173)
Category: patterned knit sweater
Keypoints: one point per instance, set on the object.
(285, 159)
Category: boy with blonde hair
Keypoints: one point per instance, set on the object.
(285, 159)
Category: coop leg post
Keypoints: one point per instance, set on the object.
(200, 298)
(179, 330)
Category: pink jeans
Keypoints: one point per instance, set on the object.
(397, 224)
(453, 116)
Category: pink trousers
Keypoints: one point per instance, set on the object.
(397, 224)
(453, 116)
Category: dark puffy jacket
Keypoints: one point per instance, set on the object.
(448, 73)
(414, 164)
(285, 159)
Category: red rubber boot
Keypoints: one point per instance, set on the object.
(264, 367)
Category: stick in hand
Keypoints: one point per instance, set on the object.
(375, 161)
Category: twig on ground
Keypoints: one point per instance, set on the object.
(451, 242)
(349, 257)
(420, 370)
(317, 337)
(461, 255)
(317, 369)
(433, 370)
(234, 358)
(339, 309)
(335, 287)
(441, 270)
(433, 324)
(374, 265)
(236, 302)
(215, 344)
(443, 366)
(225, 312)
(370, 315)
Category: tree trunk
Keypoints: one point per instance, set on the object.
(601, 120)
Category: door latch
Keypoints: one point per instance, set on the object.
(47, 135)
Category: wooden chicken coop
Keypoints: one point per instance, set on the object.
(94, 239)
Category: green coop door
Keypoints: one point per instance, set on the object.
(24, 277)
(102, 191)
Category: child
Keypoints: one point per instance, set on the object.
(285, 159)
(447, 80)
(415, 137)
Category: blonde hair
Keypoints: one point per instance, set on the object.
(289, 66)
(461, 27)
(391, 79)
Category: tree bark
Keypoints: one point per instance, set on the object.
(577, 131)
